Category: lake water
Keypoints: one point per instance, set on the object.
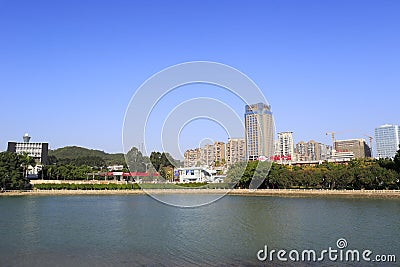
(132, 230)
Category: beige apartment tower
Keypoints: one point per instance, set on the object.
(259, 131)
(312, 150)
(235, 150)
(192, 157)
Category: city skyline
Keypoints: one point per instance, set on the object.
(69, 69)
(385, 143)
(387, 140)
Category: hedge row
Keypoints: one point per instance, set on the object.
(129, 186)
(86, 186)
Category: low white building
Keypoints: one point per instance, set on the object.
(115, 168)
(342, 155)
(196, 175)
(33, 171)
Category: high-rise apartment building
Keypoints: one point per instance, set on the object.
(213, 153)
(301, 151)
(284, 146)
(37, 150)
(312, 150)
(235, 150)
(387, 138)
(358, 147)
(259, 131)
(219, 151)
(192, 157)
(207, 155)
(325, 151)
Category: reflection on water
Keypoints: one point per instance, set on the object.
(137, 230)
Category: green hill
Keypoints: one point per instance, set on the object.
(73, 153)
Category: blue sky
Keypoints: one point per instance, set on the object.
(68, 69)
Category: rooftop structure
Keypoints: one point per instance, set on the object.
(37, 150)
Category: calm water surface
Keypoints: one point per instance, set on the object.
(137, 230)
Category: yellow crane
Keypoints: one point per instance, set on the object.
(333, 137)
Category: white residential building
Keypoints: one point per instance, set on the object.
(284, 145)
(387, 138)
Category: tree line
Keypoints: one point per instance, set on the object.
(357, 174)
(160, 162)
(77, 168)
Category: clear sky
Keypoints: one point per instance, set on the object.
(68, 69)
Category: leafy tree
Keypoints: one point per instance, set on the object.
(167, 173)
(235, 172)
(397, 161)
(26, 162)
(387, 164)
(136, 161)
(12, 170)
(242, 173)
(166, 160)
(51, 159)
(160, 160)
(155, 159)
(261, 173)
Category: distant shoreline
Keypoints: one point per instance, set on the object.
(235, 192)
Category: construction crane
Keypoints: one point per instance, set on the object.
(333, 137)
(370, 142)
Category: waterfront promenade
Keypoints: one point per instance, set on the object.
(242, 192)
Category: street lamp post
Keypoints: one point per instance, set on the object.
(146, 165)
